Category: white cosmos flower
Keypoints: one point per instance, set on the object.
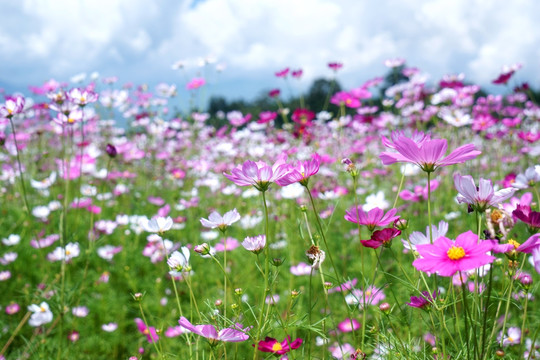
(41, 314)
(158, 224)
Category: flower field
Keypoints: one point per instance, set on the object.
(395, 221)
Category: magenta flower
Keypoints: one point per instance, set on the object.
(446, 257)
(381, 238)
(348, 325)
(373, 218)
(301, 171)
(427, 154)
(150, 332)
(347, 285)
(423, 301)
(258, 174)
(528, 246)
(236, 334)
(273, 346)
(195, 83)
(529, 217)
(483, 196)
(282, 73)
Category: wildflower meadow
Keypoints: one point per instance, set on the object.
(399, 219)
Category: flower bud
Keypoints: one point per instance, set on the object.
(138, 296)
(402, 224)
(111, 150)
(500, 353)
(238, 291)
(203, 249)
(327, 285)
(294, 293)
(385, 307)
(218, 302)
(277, 262)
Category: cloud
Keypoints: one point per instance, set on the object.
(140, 40)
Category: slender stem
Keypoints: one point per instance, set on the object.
(21, 174)
(266, 271)
(507, 308)
(399, 189)
(464, 300)
(486, 313)
(537, 196)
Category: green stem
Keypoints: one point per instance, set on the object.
(429, 207)
(23, 186)
(148, 328)
(260, 327)
(399, 189)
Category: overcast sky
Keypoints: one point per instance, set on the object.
(138, 40)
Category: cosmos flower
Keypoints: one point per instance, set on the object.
(271, 345)
(373, 218)
(12, 106)
(348, 325)
(418, 238)
(446, 257)
(512, 337)
(528, 216)
(158, 224)
(254, 244)
(381, 238)
(149, 332)
(301, 171)
(428, 154)
(179, 262)
(41, 314)
(423, 301)
(236, 334)
(215, 220)
(482, 196)
(258, 174)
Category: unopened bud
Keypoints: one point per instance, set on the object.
(111, 150)
(239, 291)
(277, 262)
(385, 307)
(402, 224)
(138, 296)
(500, 353)
(327, 285)
(203, 249)
(218, 302)
(294, 294)
(234, 306)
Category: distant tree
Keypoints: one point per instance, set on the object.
(318, 93)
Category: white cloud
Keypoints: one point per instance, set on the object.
(256, 38)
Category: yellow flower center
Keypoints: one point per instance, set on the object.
(146, 331)
(514, 242)
(496, 215)
(455, 253)
(511, 339)
(42, 309)
(368, 293)
(70, 120)
(277, 347)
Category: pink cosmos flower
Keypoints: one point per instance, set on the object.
(195, 83)
(528, 216)
(258, 174)
(271, 345)
(12, 106)
(215, 220)
(303, 116)
(423, 301)
(483, 196)
(297, 73)
(381, 238)
(346, 99)
(373, 218)
(266, 117)
(335, 66)
(150, 332)
(348, 325)
(348, 285)
(282, 73)
(81, 97)
(428, 154)
(236, 334)
(513, 337)
(254, 244)
(446, 257)
(301, 171)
